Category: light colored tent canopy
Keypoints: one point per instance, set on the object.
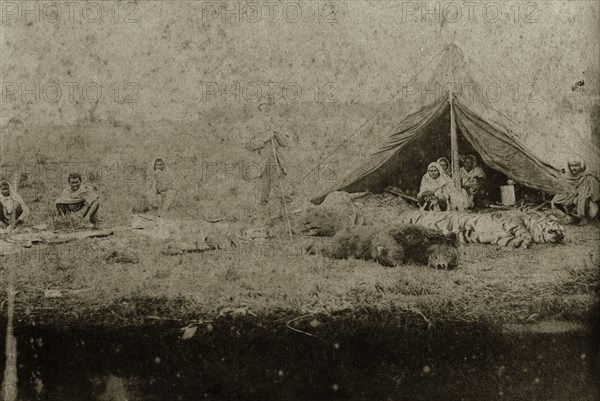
(482, 129)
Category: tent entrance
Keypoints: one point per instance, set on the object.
(406, 170)
(423, 136)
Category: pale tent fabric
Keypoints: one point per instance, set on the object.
(489, 132)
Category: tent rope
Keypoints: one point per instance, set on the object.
(369, 119)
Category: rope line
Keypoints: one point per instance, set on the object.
(368, 120)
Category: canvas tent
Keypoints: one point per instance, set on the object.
(424, 135)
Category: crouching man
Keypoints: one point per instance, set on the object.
(80, 199)
(581, 191)
(14, 211)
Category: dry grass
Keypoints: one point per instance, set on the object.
(126, 279)
(66, 223)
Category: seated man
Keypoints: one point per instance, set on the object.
(581, 191)
(472, 178)
(435, 190)
(14, 211)
(161, 185)
(80, 199)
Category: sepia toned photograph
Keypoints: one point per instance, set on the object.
(300, 200)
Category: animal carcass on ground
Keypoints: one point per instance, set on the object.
(392, 245)
(336, 212)
(498, 228)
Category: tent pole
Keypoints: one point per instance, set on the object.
(454, 145)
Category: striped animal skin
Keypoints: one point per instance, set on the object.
(499, 228)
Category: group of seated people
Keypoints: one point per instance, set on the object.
(82, 200)
(579, 196)
(581, 192)
(438, 192)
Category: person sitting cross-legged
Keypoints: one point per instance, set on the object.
(79, 199)
(14, 211)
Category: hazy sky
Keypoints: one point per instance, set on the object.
(174, 61)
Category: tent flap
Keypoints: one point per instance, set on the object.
(366, 176)
(485, 129)
(500, 152)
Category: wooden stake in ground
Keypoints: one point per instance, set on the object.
(285, 211)
(9, 385)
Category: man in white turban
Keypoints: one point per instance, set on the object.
(581, 191)
(13, 210)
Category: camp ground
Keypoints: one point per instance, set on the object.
(256, 229)
(454, 116)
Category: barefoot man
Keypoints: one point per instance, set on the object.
(581, 191)
(14, 211)
(80, 199)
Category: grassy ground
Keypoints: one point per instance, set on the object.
(125, 279)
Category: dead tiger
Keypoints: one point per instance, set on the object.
(499, 228)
